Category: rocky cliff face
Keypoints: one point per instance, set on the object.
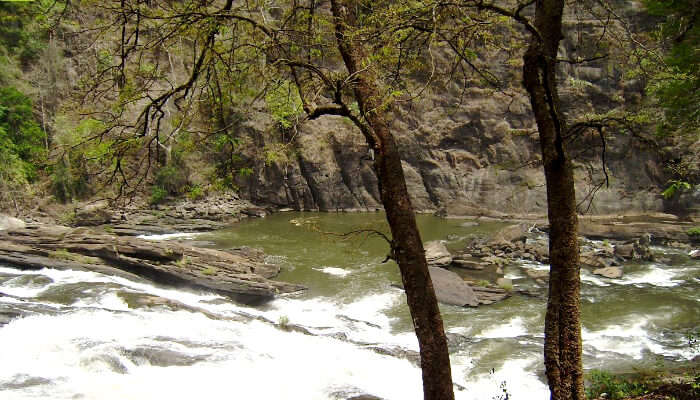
(466, 152)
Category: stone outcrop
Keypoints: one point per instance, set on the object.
(93, 214)
(467, 150)
(240, 273)
(8, 223)
(450, 288)
(609, 272)
(436, 254)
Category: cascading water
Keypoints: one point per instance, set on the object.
(84, 335)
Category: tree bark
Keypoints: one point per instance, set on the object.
(407, 246)
(562, 348)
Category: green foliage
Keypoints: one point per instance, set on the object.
(675, 187)
(694, 232)
(21, 32)
(21, 139)
(195, 193)
(284, 103)
(172, 178)
(600, 382)
(676, 85)
(209, 271)
(77, 157)
(158, 195)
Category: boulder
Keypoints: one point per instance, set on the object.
(537, 274)
(694, 254)
(450, 288)
(609, 272)
(468, 264)
(592, 260)
(625, 251)
(511, 234)
(437, 254)
(93, 214)
(8, 223)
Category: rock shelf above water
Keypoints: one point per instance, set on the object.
(238, 273)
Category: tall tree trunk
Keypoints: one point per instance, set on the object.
(562, 348)
(407, 247)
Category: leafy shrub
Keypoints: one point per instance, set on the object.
(21, 138)
(616, 388)
(71, 172)
(694, 232)
(195, 193)
(675, 187)
(158, 195)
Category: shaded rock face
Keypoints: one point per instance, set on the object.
(466, 150)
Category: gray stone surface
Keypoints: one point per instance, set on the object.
(437, 254)
(8, 223)
(450, 288)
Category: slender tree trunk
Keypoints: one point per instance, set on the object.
(562, 348)
(407, 247)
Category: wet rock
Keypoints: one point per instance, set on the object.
(8, 223)
(255, 212)
(451, 289)
(511, 234)
(472, 264)
(504, 283)
(21, 381)
(609, 272)
(437, 254)
(161, 357)
(240, 275)
(695, 254)
(592, 260)
(538, 274)
(486, 295)
(625, 251)
(6, 316)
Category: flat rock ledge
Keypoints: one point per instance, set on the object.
(240, 273)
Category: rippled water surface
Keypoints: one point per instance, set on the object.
(77, 338)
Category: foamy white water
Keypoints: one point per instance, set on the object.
(169, 236)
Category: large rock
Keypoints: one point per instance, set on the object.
(93, 214)
(609, 272)
(450, 288)
(511, 234)
(8, 223)
(437, 254)
(241, 274)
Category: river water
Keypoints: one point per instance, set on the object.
(79, 339)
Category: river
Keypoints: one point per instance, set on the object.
(79, 339)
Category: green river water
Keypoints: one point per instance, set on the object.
(77, 338)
